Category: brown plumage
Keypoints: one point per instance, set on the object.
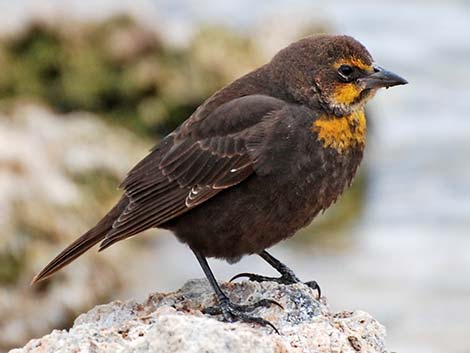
(255, 162)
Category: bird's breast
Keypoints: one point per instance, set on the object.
(341, 133)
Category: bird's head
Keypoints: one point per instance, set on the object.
(335, 72)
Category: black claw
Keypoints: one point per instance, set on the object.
(234, 312)
(315, 286)
(266, 303)
(284, 279)
(258, 320)
(253, 277)
(273, 302)
(240, 275)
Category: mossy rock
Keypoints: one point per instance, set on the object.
(121, 70)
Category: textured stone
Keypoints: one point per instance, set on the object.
(58, 174)
(173, 322)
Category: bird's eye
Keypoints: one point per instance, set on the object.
(345, 71)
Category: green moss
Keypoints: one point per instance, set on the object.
(32, 62)
(11, 266)
(121, 71)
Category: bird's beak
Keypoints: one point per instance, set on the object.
(381, 78)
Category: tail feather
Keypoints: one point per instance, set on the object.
(82, 244)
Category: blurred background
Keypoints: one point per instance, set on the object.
(86, 88)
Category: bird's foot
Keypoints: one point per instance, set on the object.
(288, 277)
(234, 312)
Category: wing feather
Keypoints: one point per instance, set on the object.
(192, 167)
(216, 148)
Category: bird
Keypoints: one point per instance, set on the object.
(254, 163)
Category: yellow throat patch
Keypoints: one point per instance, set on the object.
(348, 92)
(342, 133)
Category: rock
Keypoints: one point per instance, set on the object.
(58, 174)
(173, 322)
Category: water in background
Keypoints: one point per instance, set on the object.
(406, 260)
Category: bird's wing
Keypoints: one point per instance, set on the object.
(193, 164)
(209, 152)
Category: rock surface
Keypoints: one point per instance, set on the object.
(58, 174)
(173, 322)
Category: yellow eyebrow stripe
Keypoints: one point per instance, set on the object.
(354, 62)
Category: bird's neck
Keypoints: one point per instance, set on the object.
(341, 133)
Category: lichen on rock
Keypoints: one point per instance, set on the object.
(174, 322)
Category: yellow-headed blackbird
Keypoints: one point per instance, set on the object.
(254, 163)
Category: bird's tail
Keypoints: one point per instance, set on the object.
(85, 242)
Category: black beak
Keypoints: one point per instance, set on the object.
(381, 78)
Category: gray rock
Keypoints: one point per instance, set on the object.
(173, 322)
(58, 173)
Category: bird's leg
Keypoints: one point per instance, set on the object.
(287, 275)
(232, 312)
